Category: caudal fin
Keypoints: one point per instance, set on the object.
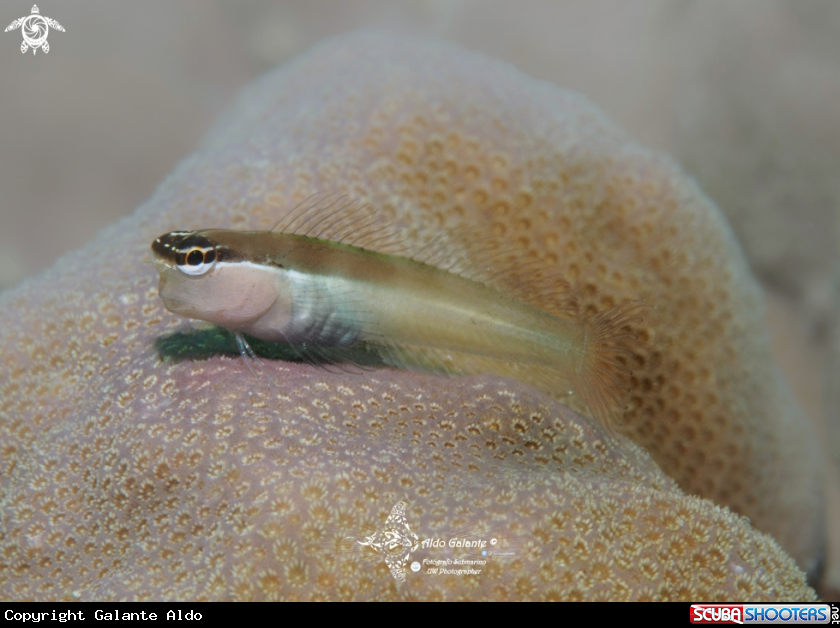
(602, 378)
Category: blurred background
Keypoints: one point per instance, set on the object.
(746, 95)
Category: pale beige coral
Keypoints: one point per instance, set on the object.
(182, 488)
(127, 477)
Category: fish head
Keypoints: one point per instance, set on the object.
(203, 277)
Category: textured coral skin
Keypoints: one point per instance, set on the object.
(125, 477)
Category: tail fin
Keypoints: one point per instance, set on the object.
(602, 379)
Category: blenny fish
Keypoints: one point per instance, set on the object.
(330, 277)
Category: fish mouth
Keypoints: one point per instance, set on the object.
(173, 304)
(168, 290)
(182, 307)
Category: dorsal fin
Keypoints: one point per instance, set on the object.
(465, 250)
(338, 218)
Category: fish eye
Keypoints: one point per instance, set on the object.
(197, 261)
(195, 257)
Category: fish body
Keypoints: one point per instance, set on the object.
(292, 288)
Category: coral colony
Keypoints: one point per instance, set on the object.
(143, 459)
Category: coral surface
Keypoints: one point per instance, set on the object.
(125, 475)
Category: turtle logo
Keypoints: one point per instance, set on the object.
(35, 29)
(395, 542)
